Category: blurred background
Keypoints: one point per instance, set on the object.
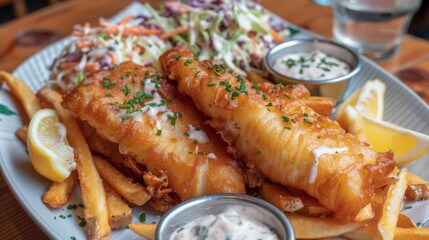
(13, 9)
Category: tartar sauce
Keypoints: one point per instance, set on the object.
(316, 65)
(228, 225)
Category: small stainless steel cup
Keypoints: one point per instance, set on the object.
(333, 87)
(215, 204)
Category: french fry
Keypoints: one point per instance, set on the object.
(99, 145)
(120, 214)
(368, 232)
(280, 197)
(22, 92)
(417, 192)
(93, 194)
(404, 221)
(21, 133)
(322, 105)
(58, 193)
(256, 78)
(131, 191)
(392, 206)
(417, 188)
(414, 179)
(411, 233)
(145, 230)
(310, 227)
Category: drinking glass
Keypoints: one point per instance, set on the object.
(375, 28)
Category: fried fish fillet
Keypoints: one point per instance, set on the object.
(282, 137)
(150, 121)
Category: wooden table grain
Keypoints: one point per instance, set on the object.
(411, 65)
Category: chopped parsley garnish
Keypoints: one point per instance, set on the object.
(195, 142)
(287, 96)
(174, 119)
(288, 128)
(177, 58)
(289, 63)
(70, 207)
(285, 119)
(235, 94)
(270, 104)
(196, 74)
(308, 121)
(180, 229)
(197, 129)
(186, 134)
(142, 217)
(257, 88)
(211, 85)
(292, 85)
(125, 116)
(158, 132)
(107, 83)
(126, 90)
(187, 62)
(408, 207)
(82, 222)
(306, 114)
(264, 96)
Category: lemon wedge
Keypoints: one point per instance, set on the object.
(47, 146)
(383, 136)
(369, 100)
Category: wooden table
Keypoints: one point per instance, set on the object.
(411, 64)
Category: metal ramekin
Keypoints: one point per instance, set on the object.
(333, 87)
(215, 204)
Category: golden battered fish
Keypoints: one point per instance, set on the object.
(150, 121)
(284, 139)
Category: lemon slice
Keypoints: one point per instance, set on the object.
(369, 100)
(383, 136)
(49, 151)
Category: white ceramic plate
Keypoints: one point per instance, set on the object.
(402, 106)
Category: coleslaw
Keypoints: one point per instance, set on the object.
(237, 33)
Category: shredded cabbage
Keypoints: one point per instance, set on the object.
(237, 33)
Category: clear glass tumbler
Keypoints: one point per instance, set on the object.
(375, 28)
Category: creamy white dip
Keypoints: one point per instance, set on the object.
(316, 65)
(228, 225)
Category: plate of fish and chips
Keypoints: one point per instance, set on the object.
(151, 164)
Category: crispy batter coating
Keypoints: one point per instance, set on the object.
(276, 133)
(160, 135)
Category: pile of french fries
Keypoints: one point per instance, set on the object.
(109, 194)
